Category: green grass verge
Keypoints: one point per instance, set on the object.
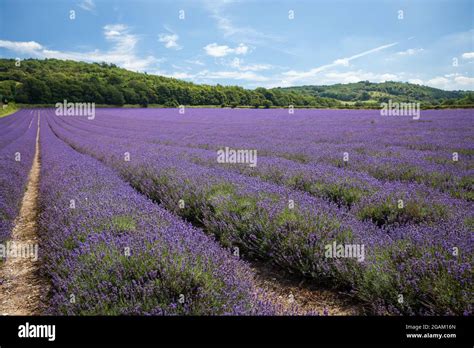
(10, 109)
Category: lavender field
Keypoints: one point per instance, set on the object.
(146, 211)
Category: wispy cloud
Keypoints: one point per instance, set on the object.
(87, 5)
(119, 34)
(194, 61)
(215, 50)
(345, 61)
(238, 33)
(293, 75)
(238, 64)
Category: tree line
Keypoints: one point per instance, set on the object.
(50, 80)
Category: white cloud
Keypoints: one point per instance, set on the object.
(215, 50)
(342, 61)
(468, 55)
(170, 39)
(465, 81)
(452, 82)
(438, 82)
(122, 53)
(87, 5)
(241, 49)
(416, 81)
(410, 52)
(25, 47)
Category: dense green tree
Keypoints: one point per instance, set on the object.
(113, 96)
(37, 90)
(267, 103)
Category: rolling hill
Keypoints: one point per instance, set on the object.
(369, 92)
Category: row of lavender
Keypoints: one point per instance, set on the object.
(436, 150)
(11, 128)
(364, 196)
(293, 229)
(17, 149)
(108, 250)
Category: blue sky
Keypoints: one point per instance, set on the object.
(254, 43)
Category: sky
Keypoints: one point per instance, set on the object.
(253, 43)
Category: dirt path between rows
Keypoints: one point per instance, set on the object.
(22, 290)
(302, 297)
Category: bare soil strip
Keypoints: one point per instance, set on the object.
(304, 298)
(22, 290)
